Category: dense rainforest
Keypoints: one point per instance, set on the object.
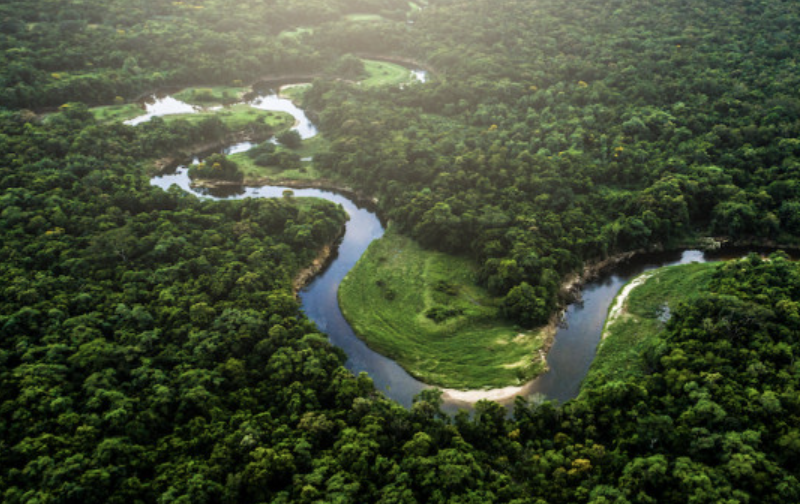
(150, 346)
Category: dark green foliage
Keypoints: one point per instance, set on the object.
(151, 351)
(263, 154)
(266, 154)
(446, 287)
(562, 134)
(441, 313)
(525, 304)
(289, 138)
(217, 167)
(349, 67)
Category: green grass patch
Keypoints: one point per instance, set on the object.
(424, 310)
(642, 319)
(382, 73)
(361, 18)
(308, 149)
(210, 96)
(238, 116)
(253, 172)
(296, 32)
(113, 113)
(295, 92)
(312, 146)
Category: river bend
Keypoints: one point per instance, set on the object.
(575, 341)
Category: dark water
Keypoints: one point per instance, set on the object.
(576, 342)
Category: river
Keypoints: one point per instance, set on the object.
(575, 341)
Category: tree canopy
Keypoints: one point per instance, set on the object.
(151, 349)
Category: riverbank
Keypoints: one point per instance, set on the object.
(322, 184)
(638, 315)
(505, 394)
(318, 264)
(570, 293)
(185, 153)
(424, 309)
(618, 306)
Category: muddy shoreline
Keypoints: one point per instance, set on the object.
(326, 254)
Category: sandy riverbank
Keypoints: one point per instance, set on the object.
(618, 308)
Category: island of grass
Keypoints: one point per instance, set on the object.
(281, 163)
(296, 32)
(295, 92)
(238, 117)
(116, 113)
(424, 310)
(382, 73)
(365, 18)
(635, 322)
(211, 96)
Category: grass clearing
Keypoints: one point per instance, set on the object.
(361, 18)
(382, 73)
(308, 149)
(238, 116)
(211, 96)
(642, 319)
(396, 287)
(253, 172)
(296, 32)
(111, 113)
(295, 92)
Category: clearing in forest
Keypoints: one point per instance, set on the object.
(424, 310)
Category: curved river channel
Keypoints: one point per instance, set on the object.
(575, 342)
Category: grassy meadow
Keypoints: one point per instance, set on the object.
(424, 310)
(642, 319)
(119, 112)
(307, 171)
(382, 73)
(295, 92)
(238, 116)
(364, 18)
(296, 32)
(211, 96)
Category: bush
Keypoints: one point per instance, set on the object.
(217, 167)
(290, 139)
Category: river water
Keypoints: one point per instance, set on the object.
(575, 342)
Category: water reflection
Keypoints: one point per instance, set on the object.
(272, 101)
(160, 105)
(420, 75)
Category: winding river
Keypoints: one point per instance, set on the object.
(575, 342)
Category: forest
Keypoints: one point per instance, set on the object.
(151, 349)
